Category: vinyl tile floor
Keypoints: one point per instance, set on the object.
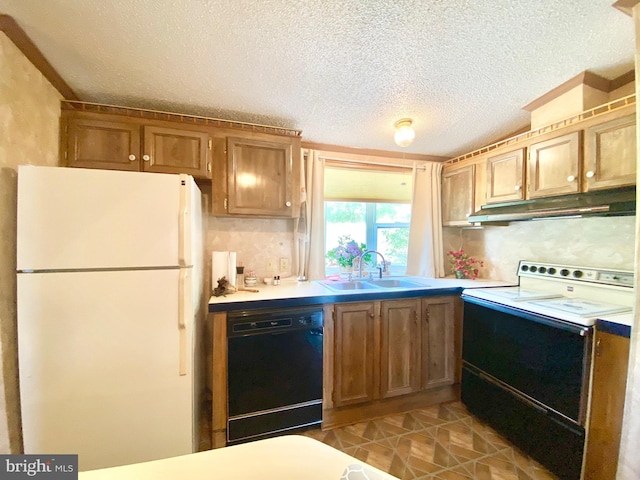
(442, 442)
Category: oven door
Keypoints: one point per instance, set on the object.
(544, 359)
(526, 375)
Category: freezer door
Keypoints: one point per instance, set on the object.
(105, 365)
(191, 241)
(74, 218)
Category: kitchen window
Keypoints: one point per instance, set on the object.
(371, 206)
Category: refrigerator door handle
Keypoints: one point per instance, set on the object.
(184, 311)
(184, 221)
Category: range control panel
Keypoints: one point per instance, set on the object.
(623, 278)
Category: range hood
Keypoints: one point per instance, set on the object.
(617, 202)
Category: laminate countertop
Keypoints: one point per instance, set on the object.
(281, 458)
(291, 293)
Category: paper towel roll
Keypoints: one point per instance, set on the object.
(223, 264)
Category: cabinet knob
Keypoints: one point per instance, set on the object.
(288, 204)
(590, 174)
(571, 178)
(132, 157)
(517, 187)
(146, 158)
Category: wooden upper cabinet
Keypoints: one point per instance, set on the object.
(610, 154)
(91, 143)
(354, 354)
(438, 345)
(607, 406)
(92, 140)
(260, 174)
(554, 166)
(458, 195)
(400, 355)
(171, 150)
(256, 175)
(505, 177)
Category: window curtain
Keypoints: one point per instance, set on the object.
(425, 256)
(308, 229)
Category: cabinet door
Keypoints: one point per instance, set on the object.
(110, 145)
(400, 355)
(174, 150)
(554, 166)
(354, 354)
(610, 154)
(505, 177)
(438, 349)
(457, 196)
(607, 406)
(259, 177)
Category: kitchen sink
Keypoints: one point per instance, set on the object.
(353, 285)
(394, 283)
(381, 284)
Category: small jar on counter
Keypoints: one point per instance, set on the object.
(250, 279)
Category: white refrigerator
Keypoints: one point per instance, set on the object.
(109, 280)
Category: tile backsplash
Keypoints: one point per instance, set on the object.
(598, 242)
(255, 240)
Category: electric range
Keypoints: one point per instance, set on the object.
(574, 294)
(526, 355)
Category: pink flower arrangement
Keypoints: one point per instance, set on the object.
(464, 266)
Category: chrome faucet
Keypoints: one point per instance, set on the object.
(361, 261)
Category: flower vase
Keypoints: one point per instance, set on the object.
(346, 271)
(460, 274)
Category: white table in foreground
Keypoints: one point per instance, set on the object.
(280, 458)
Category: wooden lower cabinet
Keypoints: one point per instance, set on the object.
(400, 352)
(607, 406)
(438, 342)
(354, 354)
(388, 356)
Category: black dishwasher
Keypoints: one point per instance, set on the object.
(274, 382)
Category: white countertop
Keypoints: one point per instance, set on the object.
(291, 289)
(621, 319)
(281, 458)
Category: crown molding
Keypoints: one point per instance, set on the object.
(21, 40)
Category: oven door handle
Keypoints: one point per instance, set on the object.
(581, 330)
(518, 395)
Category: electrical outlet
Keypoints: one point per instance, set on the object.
(271, 265)
(284, 264)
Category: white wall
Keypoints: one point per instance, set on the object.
(629, 463)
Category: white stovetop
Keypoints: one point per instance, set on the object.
(582, 309)
(290, 288)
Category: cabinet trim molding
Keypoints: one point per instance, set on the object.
(178, 117)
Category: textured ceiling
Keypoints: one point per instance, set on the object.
(341, 71)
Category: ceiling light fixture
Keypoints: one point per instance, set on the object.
(404, 132)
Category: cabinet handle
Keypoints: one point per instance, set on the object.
(517, 187)
(598, 352)
(571, 178)
(371, 315)
(288, 204)
(146, 158)
(590, 174)
(426, 315)
(132, 157)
